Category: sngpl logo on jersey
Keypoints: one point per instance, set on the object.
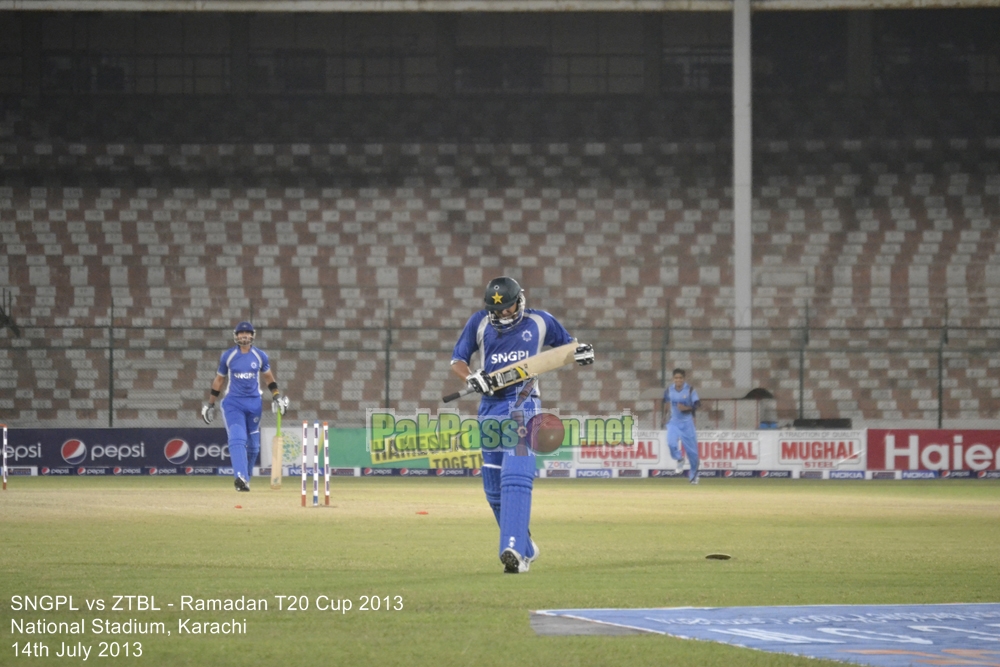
(74, 452)
(176, 451)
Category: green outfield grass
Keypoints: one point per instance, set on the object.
(627, 543)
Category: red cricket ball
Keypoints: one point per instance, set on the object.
(545, 433)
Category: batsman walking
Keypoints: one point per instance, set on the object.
(242, 367)
(503, 332)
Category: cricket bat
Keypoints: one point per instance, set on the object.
(277, 456)
(543, 362)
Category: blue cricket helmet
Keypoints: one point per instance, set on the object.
(243, 327)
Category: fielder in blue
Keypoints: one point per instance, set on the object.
(243, 366)
(504, 332)
(683, 402)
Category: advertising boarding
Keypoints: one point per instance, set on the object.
(119, 451)
(952, 453)
(608, 446)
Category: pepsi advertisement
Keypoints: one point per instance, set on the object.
(119, 451)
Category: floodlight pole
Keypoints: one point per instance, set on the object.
(742, 195)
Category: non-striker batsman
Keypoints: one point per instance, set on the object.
(243, 366)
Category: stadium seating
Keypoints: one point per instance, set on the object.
(874, 259)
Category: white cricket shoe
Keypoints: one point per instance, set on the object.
(534, 550)
(513, 563)
(679, 468)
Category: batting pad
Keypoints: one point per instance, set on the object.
(491, 479)
(516, 481)
(238, 455)
(253, 451)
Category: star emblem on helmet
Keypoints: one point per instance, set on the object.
(497, 298)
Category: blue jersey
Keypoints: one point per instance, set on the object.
(243, 371)
(685, 396)
(536, 330)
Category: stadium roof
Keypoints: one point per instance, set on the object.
(470, 5)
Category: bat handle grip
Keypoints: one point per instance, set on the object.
(458, 394)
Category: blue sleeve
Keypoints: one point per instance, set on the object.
(223, 366)
(265, 365)
(468, 344)
(555, 332)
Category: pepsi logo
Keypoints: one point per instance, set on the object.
(117, 470)
(764, 473)
(366, 471)
(152, 471)
(728, 473)
(477, 472)
(45, 471)
(176, 451)
(440, 472)
(73, 452)
(188, 470)
(81, 471)
(404, 471)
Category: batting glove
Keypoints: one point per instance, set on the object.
(279, 403)
(480, 383)
(584, 354)
(208, 413)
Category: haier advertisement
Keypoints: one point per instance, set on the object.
(956, 453)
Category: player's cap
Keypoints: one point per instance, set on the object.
(502, 293)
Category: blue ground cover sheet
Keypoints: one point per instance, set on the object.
(878, 635)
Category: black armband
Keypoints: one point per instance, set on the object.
(214, 392)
